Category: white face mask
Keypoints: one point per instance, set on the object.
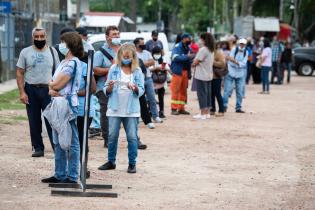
(63, 49)
(116, 41)
(157, 56)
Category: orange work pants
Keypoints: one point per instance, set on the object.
(179, 85)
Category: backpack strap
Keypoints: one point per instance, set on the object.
(236, 51)
(107, 55)
(54, 62)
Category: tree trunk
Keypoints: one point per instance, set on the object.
(133, 14)
(247, 7)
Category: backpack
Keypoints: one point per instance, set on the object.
(236, 51)
(108, 56)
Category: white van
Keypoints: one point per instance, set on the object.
(98, 40)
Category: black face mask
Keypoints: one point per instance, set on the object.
(154, 39)
(39, 44)
(142, 47)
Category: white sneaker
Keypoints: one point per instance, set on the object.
(151, 125)
(200, 117)
(157, 120)
(208, 116)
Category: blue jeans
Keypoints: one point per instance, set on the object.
(131, 127)
(265, 77)
(288, 67)
(67, 162)
(244, 81)
(150, 94)
(228, 88)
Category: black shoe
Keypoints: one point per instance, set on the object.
(141, 146)
(105, 144)
(174, 112)
(107, 166)
(132, 169)
(239, 111)
(51, 180)
(38, 154)
(184, 112)
(67, 180)
(88, 174)
(225, 109)
(161, 115)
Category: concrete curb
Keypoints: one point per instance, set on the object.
(8, 86)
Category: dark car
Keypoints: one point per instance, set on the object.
(303, 60)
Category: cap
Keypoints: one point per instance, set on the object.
(82, 31)
(242, 41)
(185, 35)
(64, 30)
(154, 33)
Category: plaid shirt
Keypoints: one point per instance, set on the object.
(276, 51)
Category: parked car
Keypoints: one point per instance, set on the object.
(303, 60)
(98, 40)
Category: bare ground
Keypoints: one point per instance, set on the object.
(264, 159)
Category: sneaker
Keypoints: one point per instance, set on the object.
(267, 92)
(261, 92)
(239, 111)
(220, 114)
(212, 113)
(132, 169)
(184, 112)
(161, 115)
(200, 116)
(151, 125)
(208, 116)
(225, 109)
(38, 154)
(88, 174)
(174, 112)
(157, 120)
(67, 180)
(142, 146)
(107, 166)
(105, 144)
(51, 180)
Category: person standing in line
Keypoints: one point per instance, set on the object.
(148, 61)
(101, 66)
(277, 49)
(203, 64)
(216, 83)
(180, 67)
(286, 60)
(237, 63)
(159, 76)
(266, 63)
(33, 73)
(154, 42)
(64, 109)
(124, 86)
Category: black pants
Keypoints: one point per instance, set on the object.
(103, 100)
(216, 93)
(38, 100)
(204, 93)
(80, 124)
(161, 93)
(249, 72)
(145, 114)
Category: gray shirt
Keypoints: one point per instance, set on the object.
(37, 64)
(204, 70)
(145, 56)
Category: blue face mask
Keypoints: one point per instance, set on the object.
(126, 61)
(63, 49)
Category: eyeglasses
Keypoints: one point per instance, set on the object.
(39, 36)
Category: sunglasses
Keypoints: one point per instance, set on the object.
(39, 36)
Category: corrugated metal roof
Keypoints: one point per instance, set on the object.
(267, 24)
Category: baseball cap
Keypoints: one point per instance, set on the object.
(185, 35)
(242, 41)
(82, 31)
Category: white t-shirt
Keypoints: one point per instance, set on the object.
(145, 56)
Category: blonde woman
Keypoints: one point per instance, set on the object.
(124, 86)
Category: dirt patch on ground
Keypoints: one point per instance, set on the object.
(263, 159)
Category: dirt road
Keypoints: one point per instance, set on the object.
(264, 159)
